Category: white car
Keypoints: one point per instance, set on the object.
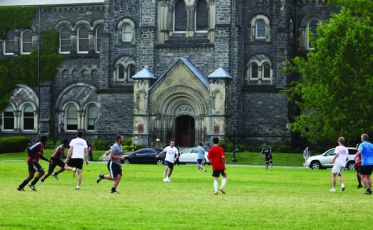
(188, 155)
(324, 160)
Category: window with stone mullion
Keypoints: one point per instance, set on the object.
(260, 28)
(83, 40)
(180, 16)
(26, 41)
(72, 118)
(92, 115)
(65, 40)
(202, 16)
(9, 43)
(28, 118)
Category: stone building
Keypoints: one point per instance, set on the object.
(181, 69)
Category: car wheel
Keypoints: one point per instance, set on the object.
(159, 162)
(315, 165)
(351, 165)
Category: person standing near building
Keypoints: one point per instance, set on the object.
(339, 160)
(366, 151)
(267, 152)
(217, 158)
(35, 152)
(114, 164)
(200, 157)
(58, 153)
(172, 155)
(78, 152)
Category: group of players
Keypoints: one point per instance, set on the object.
(78, 153)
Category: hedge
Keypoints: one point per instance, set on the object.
(13, 144)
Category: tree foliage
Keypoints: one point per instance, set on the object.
(335, 89)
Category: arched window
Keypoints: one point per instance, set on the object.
(260, 29)
(28, 118)
(266, 71)
(26, 42)
(99, 31)
(83, 40)
(9, 43)
(127, 33)
(131, 70)
(92, 112)
(254, 71)
(201, 18)
(8, 118)
(120, 73)
(180, 16)
(311, 29)
(71, 117)
(65, 40)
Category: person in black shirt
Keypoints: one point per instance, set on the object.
(267, 152)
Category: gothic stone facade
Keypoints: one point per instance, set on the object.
(161, 69)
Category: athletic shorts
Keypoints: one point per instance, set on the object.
(217, 173)
(199, 161)
(338, 169)
(34, 166)
(114, 169)
(268, 159)
(366, 170)
(169, 164)
(75, 162)
(54, 163)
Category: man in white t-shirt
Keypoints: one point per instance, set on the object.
(340, 158)
(171, 156)
(78, 152)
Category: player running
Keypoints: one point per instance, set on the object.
(114, 164)
(35, 152)
(217, 159)
(172, 154)
(58, 153)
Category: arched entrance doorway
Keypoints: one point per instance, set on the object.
(184, 131)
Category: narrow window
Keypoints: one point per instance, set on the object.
(8, 117)
(71, 118)
(9, 43)
(260, 28)
(127, 34)
(131, 70)
(120, 73)
(91, 117)
(311, 31)
(180, 16)
(202, 16)
(28, 118)
(83, 40)
(254, 71)
(98, 38)
(26, 42)
(65, 40)
(266, 71)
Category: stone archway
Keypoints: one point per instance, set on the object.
(184, 131)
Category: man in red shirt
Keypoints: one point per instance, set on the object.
(35, 152)
(217, 159)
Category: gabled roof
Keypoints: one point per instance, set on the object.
(48, 2)
(191, 67)
(144, 74)
(220, 73)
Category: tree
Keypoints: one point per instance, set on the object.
(335, 87)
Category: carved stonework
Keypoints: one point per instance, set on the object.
(80, 94)
(23, 94)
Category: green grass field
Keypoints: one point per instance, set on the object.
(285, 198)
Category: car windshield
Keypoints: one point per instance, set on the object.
(188, 150)
(330, 152)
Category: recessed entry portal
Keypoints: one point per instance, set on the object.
(184, 131)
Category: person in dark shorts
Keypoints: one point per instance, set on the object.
(58, 153)
(358, 166)
(114, 164)
(217, 159)
(267, 152)
(35, 152)
(366, 151)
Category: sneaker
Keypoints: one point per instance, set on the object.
(74, 171)
(77, 187)
(332, 190)
(20, 189)
(165, 179)
(99, 178)
(32, 187)
(115, 192)
(343, 188)
(168, 180)
(359, 186)
(56, 177)
(368, 192)
(222, 191)
(41, 182)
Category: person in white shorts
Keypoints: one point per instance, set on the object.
(340, 158)
(171, 156)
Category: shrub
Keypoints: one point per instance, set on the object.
(99, 144)
(13, 144)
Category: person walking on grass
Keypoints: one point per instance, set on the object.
(172, 155)
(339, 160)
(114, 164)
(357, 159)
(78, 152)
(217, 159)
(200, 156)
(55, 159)
(35, 152)
(366, 151)
(267, 153)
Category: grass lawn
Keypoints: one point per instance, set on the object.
(285, 198)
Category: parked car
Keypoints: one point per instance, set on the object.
(324, 160)
(145, 156)
(188, 155)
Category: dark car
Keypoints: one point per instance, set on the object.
(144, 156)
